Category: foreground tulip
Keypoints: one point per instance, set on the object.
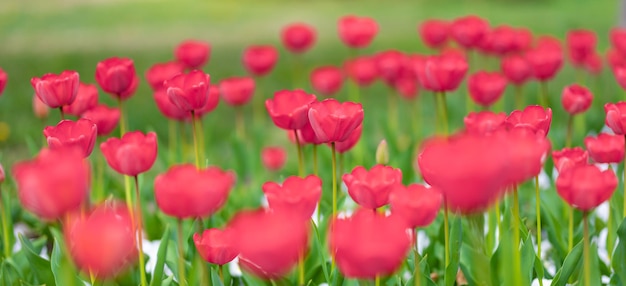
(533, 116)
(259, 60)
(269, 243)
(192, 54)
(605, 148)
(131, 155)
(117, 77)
(362, 70)
(57, 90)
(80, 134)
(273, 158)
(530, 151)
(585, 186)
(581, 44)
(53, 184)
(333, 121)
(486, 88)
(568, 158)
(326, 80)
(416, 204)
(616, 117)
(381, 254)
(576, 99)
(237, 91)
(185, 191)
(106, 118)
(371, 189)
(215, 246)
(189, 92)
(160, 72)
(3, 80)
(298, 37)
(357, 32)
(296, 196)
(107, 225)
(484, 122)
(86, 98)
(434, 33)
(469, 31)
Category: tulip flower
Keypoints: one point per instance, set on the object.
(484, 122)
(117, 77)
(434, 33)
(237, 91)
(131, 155)
(616, 117)
(486, 88)
(585, 186)
(298, 37)
(362, 70)
(618, 39)
(57, 90)
(357, 32)
(80, 134)
(371, 189)
(605, 148)
(189, 92)
(569, 157)
(326, 80)
(390, 64)
(416, 204)
(86, 98)
(167, 107)
(576, 99)
(187, 192)
(442, 73)
(40, 109)
(160, 72)
(215, 246)
(347, 145)
(333, 121)
(594, 64)
(469, 31)
(273, 158)
(106, 118)
(53, 184)
(530, 151)
(259, 60)
(533, 116)
(295, 196)
(192, 54)
(102, 241)
(517, 70)
(381, 254)
(546, 60)
(3, 80)
(581, 44)
(211, 103)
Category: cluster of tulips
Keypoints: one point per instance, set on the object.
(474, 173)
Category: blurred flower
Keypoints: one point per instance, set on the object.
(416, 204)
(484, 122)
(333, 121)
(40, 109)
(211, 103)
(296, 196)
(167, 107)
(576, 99)
(605, 148)
(469, 31)
(190, 91)
(160, 72)
(215, 246)
(3, 80)
(581, 44)
(298, 37)
(101, 242)
(516, 69)
(117, 76)
(326, 80)
(593, 64)
(259, 60)
(193, 54)
(289, 109)
(56, 90)
(618, 39)
(533, 116)
(185, 191)
(567, 158)
(131, 155)
(586, 187)
(237, 91)
(54, 183)
(434, 33)
(442, 73)
(347, 145)
(529, 151)
(106, 118)
(371, 189)
(357, 32)
(80, 134)
(546, 59)
(485, 88)
(273, 158)
(616, 117)
(390, 64)
(368, 244)
(361, 70)
(86, 98)
(619, 72)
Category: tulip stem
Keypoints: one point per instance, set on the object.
(99, 187)
(544, 94)
(142, 268)
(416, 121)
(624, 179)
(120, 105)
(517, 267)
(201, 142)
(570, 230)
(586, 249)
(334, 163)
(62, 113)
(446, 234)
(538, 210)
(315, 171)
(443, 111)
(570, 130)
(220, 272)
(196, 144)
(4, 213)
(172, 132)
(239, 122)
(498, 220)
(417, 279)
(181, 255)
(301, 269)
(300, 155)
(392, 111)
(519, 97)
(377, 281)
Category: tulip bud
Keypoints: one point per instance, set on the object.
(382, 153)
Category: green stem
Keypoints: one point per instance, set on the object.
(240, 124)
(586, 249)
(62, 113)
(142, 268)
(334, 163)
(120, 105)
(196, 147)
(544, 94)
(392, 111)
(201, 142)
(301, 269)
(377, 283)
(491, 234)
(300, 156)
(570, 229)
(443, 112)
(181, 255)
(417, 279)
(99, 181)
(4, 213)
(519, 97)
(624, 203)
(172, 133)
(446, 234)
(538, 210)
(417, 117)
(568, 136)
(498, 220)
(220, 272)
(517, 264)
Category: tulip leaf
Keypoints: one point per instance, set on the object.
(168, 281)
(157, 276)
(618, 261)
(456, 238)
(572, 264)
(62, 268)
(317, 244)
(528, 256)
(215, 278)
(10, 274)
(39, 266)
(554, 229)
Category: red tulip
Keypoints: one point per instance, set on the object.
(40, 109)
(190, 91)
(296, 196)
(361, 70)
(618, 39)
(289, 109)
(586, 187)
(469, 31)
(484, 122)
(533, 116)
(616, 117)
(347, 145)
(576, 99)
(185, 191)
(390, 65)
(605, 148)
(333, 121)
(102, 242)
(86, 98)
(593, 64)
(523, 39)
(442, 73)
(580, 44)
(192, 54)
(371, 189)
(307, 134)
(486, 88)
(500, 41)
(211, 103)
(368, 244)
(298, 37)
(56, 90)
(53, 184)
(269, 243)
(357, 32)
(273, 158)
(434, 33)
(260, 60)
(416, 204)
(406, 86)
(167, 107)
(237, 91)
(615, 58)
(569, 157)
(117, 76)
(80, 134)
(215, 246)
(326, 80)
(3, 80)
(516, 69)
(546, 60)
(2, 174)
(160, 72)
(131, 155)
(106, 118)
(619, 72)
(528, 156)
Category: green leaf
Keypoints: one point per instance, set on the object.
(157, 277)
(39, 266)
(62, 268)
(528, 256)
(572, 264)
(317, 244)
(456, 235)
(9, 273)
(215, 278)
(618, 260)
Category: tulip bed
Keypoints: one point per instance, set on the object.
(477, 153)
